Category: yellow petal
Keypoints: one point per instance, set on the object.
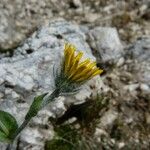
(66, 48)
(80, 68)
(83, 71)
(69, 53)
(97, 72)
(88, 75)
(70, 63)
(84, 63)
(66, 60)
(92, 65)
(75, 63)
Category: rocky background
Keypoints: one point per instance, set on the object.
(115, 33)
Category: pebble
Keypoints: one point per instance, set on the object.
(145, 88)
(1, 81)
(121, 145)
(120, 62)
(147, 116)
(131, 87)
(1, 95)
(108, 118)
(15, 95)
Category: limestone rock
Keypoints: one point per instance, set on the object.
(140, 52)
(29, 72)
(106, 42)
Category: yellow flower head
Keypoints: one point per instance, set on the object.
(75, 70)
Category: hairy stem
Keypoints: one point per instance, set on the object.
(50, 97)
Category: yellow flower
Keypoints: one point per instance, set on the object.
(74, 69)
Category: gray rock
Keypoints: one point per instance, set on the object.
(107, 44)
(145, 88)
(140, 52)
(30, 72)
(20, 18)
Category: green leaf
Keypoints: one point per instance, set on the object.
(35, 107)
(8, 126)
(3, 137)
